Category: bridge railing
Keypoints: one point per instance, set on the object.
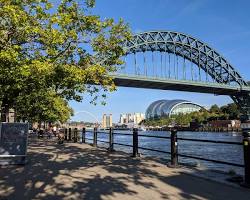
(135, 136)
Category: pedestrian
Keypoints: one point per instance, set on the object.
(60, 137)
(49, 133)
(54, 130)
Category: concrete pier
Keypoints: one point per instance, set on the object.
(80, 171)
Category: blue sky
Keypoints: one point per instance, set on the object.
(224, 25)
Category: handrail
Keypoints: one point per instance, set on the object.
(121, 144)
(168, 152)
(154, 136)
(210, 141)
(156, 150)
(123, 134)
(211, 160)
(103, 132)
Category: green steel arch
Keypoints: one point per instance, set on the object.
(188, 47)
(194, 50)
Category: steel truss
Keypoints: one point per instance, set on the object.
(197, 52)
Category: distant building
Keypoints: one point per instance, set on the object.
(9, 116)
(123, 119)
(107, 121)
(225, 124)
(138, 117)
(170, 107)
(131, 118)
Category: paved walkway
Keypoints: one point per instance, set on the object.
(79, 171)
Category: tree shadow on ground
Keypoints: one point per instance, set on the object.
(78, 171)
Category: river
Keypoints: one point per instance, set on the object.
(223, 152)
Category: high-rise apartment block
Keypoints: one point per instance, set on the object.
(107, 121)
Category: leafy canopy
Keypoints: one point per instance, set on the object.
(57, 49)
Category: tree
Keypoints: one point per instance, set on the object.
(59, 50)
(231, 111)
(215, 109)
(43, 106)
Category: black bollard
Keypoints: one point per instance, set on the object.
(65, 134)
(111, 140)
(95, 137)
(69, 138)
(135, 142)
(75, 135)
(174, 149)
(83, 135)
(246, 150)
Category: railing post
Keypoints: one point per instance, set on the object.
(83, 135)
(75, 135)
(95, 137)
(246, 149)
(135, 142)
(65, 134)
(111, 140)
(174, 148)
(69, 138)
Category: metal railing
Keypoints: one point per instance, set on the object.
(173, 152)
(136, 147)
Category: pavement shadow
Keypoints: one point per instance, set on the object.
(75, 171)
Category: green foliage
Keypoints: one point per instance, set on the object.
(49, 51)
(231, 111)
(43, 106)
(214, 109)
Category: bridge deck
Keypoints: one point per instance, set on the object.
(79, 171)
(178, 85)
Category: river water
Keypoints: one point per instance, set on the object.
(224, 152)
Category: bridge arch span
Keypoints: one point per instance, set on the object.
(190, 48)
(195, 51)
(89, 114)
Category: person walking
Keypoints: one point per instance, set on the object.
(54, 130)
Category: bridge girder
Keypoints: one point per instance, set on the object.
(196, 52)
(188, 47)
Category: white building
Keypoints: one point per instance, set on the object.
(138, 117)
(131, 118)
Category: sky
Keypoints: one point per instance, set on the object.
(223, 25)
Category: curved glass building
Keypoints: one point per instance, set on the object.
(164, 107)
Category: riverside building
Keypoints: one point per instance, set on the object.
(107, 121)
(131, 118)
(167, 108)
